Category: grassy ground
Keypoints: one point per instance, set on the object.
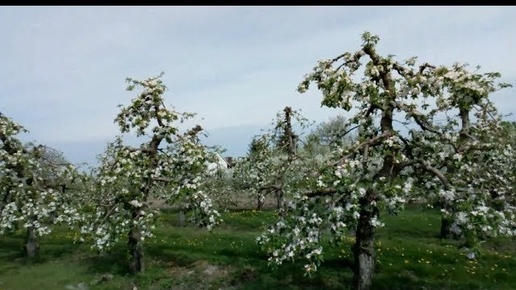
(410, 257)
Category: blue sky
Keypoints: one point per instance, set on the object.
(63, 69)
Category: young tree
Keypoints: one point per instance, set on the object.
(286, 145)
(218, 183)
(286, 139)
(32, 187)
(53, 164)
(333, 132)
(328, 135)
(251, 174)
(273, 161)
(257, 145)
(379, 170)
(168, 166)
(510, 131)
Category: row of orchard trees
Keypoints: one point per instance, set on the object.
(112, 202)
(464, 165)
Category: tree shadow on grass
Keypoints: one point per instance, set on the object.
(57, 250)
(287, 276)
(251, 269)
(114, 262)
(407, 280)
(12, 250)
(182, 254)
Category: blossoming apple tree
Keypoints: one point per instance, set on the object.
(168, 166)
(33, 187)
(456, 162)
(273, 162)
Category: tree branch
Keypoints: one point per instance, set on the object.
(429, 168)
(369, 143)
(320, 192)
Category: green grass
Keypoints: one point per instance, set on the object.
(410, 256)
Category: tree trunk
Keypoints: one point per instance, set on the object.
(363, 250)
(445, 228)
(446, 223)
(31, 246)
(259, 206)
(136, 264)
(181, 218)
(279, 199)
(134, 242)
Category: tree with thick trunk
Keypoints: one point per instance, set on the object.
(31, 246)
(363, 250)
(386, 167)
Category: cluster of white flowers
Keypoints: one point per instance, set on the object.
(205, 213)
(28, 199)
(293, 237)
(135, 203)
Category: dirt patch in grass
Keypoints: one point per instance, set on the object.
(201, 275)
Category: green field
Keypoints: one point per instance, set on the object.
(410, 257)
